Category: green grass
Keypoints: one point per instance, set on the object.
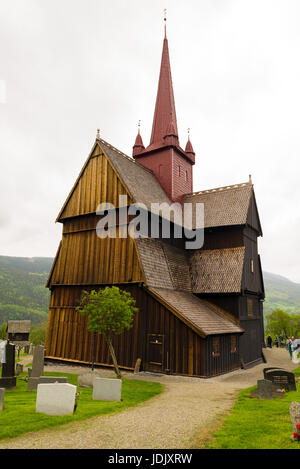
(258, 424)
(19, 415)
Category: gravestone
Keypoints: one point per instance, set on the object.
(38, 361)
(19, 369)
(86, 380)
(2, 393)
(8, 379)
(264, 389)
(52, 379)
(56, 398)
(282, 379)
(265, 370)
(137, 366)
(295, 414)
(37, 369)
(106, 389)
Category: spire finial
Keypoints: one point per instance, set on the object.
(139, 126)
(250, 178)
(165, 20)
(188, 131)
(98, 134)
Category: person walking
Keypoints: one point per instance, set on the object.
(269, 341)
(290, 347)
(277, 341)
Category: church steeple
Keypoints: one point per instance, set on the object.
(171, 165)
(165, 102)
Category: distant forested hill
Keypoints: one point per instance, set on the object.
(23, 294)
(281, 293)
(22, 288)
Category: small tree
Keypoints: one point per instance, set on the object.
(110, 311)
(38, 333)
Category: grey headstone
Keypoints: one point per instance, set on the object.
(53, 379)
(19, 369)
(56, 398)
(295, 414)
(86, 380)
(38, 361)
(2, 392)
(106, 389)
(33, 382)
(264, 389)
(282, 379)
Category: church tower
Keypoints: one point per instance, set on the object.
(171, 165)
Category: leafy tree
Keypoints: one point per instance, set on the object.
(110, 311)
(38, 334)
(279, 322)
(3, 331)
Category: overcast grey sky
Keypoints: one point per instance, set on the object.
(69, 67)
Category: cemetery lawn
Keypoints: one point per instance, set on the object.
(258, 423)
(19, 415)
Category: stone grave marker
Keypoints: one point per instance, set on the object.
(2, 393)
(56, 398)
(295, 414)
(19, 369)
(107, 389)
(37, 369)
(8, 379)
(52, 379)
(265, 370)
(282, 379)
(264, 389)
(86, 380)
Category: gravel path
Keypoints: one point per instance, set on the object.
(186, 408)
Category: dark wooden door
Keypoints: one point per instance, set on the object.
(155, 352)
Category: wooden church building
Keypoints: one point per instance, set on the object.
(200, 310)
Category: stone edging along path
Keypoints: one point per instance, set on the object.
(171, 420)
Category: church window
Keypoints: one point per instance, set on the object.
(250, 307)
(233, 344)
(216, 346)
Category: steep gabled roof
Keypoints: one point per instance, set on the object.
(217, 270)
(164, 266)
(140, 181)
(18, 326)
(224, 206)
(167, 273)
(202, 315)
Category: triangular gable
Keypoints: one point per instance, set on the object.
(98, 182)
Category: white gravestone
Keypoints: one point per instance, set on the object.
(106, 389)
(56, 398)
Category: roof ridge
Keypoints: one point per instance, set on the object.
(124, 155)
(220, 189)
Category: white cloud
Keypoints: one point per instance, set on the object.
(73, 66)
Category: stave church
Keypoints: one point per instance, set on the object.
(200, 311)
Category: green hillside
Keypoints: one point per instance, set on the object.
(23, 294)
(22, 288)
(281, 293)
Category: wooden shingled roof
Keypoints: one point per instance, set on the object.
(18, 326)
(224, 206)
(167, 272)
(217, 270)
(202, 315)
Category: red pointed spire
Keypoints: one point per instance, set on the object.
(165, 103)
(189, 148)
(138, 146)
